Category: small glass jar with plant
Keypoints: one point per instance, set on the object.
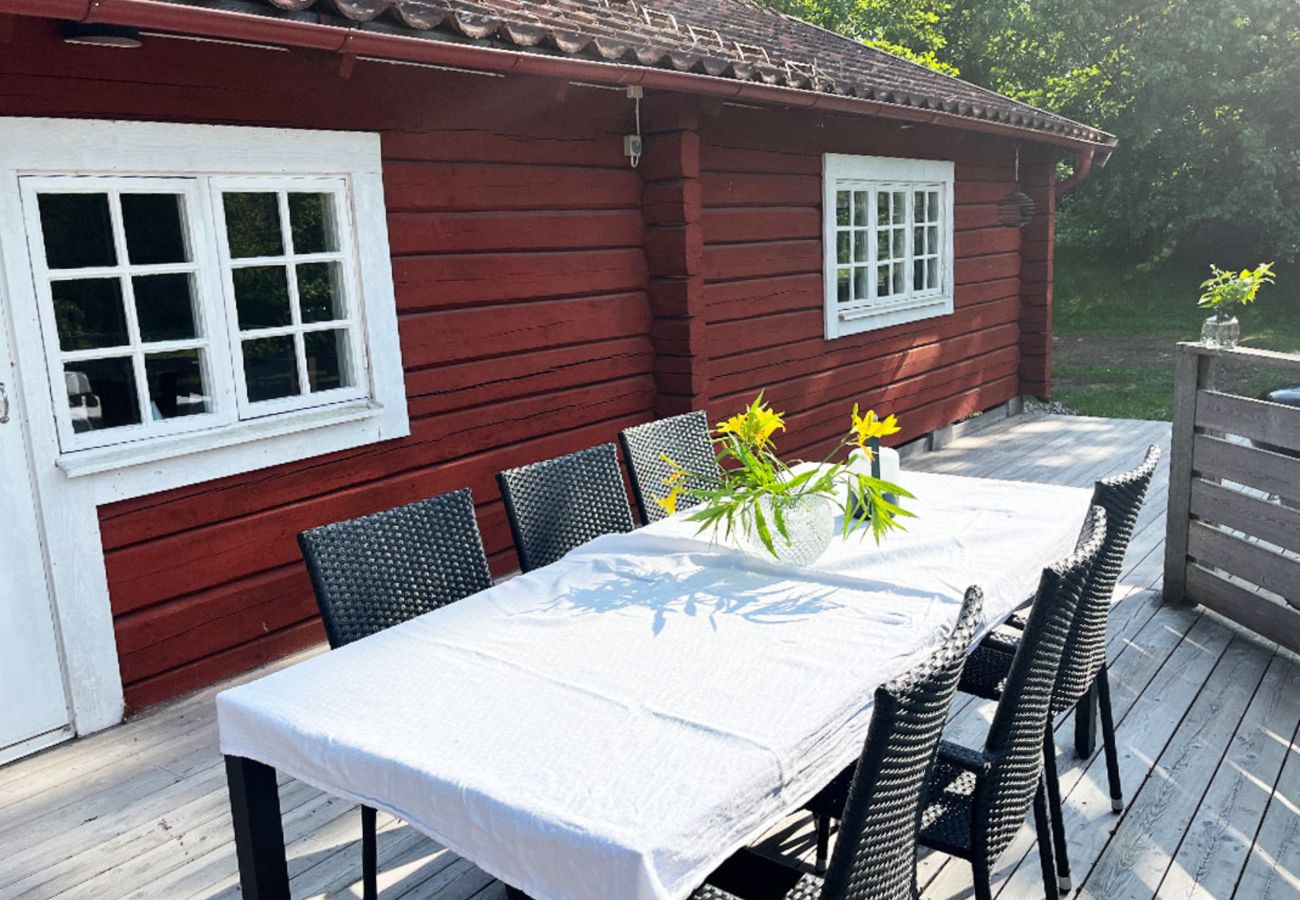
(773, 509)
(1223, 292)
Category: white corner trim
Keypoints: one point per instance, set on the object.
(71, 486)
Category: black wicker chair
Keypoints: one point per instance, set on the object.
(379, 570)
(685, 440)
(978, 799)
(1083, 676)
(557, 504)
(875, 857)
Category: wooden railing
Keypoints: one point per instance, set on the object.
(1233, 539)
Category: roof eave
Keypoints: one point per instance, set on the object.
(433, 48)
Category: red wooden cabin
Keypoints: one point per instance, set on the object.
(458, 269)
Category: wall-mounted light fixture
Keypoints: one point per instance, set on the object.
(97, 35)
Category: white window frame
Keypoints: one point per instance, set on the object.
(72, 483)
(880, 174)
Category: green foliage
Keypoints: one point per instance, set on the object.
(756, 484)
(1225, 289)
(1202, 95)
(912, 29)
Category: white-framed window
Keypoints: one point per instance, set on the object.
(888, 241)
(200, 287)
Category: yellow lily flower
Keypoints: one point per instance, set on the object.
(669, 504)
(867, 427)
(756, 425)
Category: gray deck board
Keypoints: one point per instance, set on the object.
(1207, 719)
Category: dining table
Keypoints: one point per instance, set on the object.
(617, 724)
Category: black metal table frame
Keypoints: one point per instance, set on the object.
(259, 831)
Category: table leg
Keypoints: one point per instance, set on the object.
(1085, 724)
(259, 833)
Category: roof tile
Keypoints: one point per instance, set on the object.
(737, 39)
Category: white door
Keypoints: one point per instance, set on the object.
(33, 705)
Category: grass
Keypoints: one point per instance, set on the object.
(1116, 324)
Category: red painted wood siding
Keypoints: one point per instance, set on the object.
(520, 244)
(761, 194)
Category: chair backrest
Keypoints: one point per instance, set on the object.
(875, 856)
(1015, 742)
(379, 570)
(685, 440)
(1121, 497)
(557, 504)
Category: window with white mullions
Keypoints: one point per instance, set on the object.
(888, 241)
(292, 313)
(120, 269)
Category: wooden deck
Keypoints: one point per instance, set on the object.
(1207, 720)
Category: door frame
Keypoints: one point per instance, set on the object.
(11, 375)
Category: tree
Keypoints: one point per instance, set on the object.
(912, 29)
(1202, 95)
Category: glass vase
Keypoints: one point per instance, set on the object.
(1220, 332)
(809, 521)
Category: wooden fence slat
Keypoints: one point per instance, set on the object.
(1253, 611)
(1258, 420)
(1272, 522)
(1271, 472)
(1191, 370)
(1247, 560)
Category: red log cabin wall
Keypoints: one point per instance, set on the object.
(548, 296)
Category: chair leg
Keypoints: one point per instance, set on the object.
(1045, 856)
(1108, 738)
(1061, 849)
(982, 881)
(369, 855)
(823, 842)
(1085, 723)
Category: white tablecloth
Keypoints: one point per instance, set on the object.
(613, 726)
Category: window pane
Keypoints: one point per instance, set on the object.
(932, 239)
(101, 393)
(900, 207)
(176, 385)
(78, 230)
(89, 313)
(918, 206)
(253, 225)
(327, 359)
(270, 368)
(860, 246)
(320, 292)
(860, 275)
(861, 204)
(262, 296)
(933, 204)
(842, 209)
(900, 249)
(154, 233)
(932, 273)
(311, 218)
(843, 248)
(882, 281)
(882, 209)
(164, 306)
(899, 284)
(882, 245)
(844, 285)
